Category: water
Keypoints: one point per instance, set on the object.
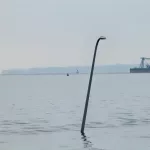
(45, 112)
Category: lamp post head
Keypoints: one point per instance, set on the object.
(102, 38)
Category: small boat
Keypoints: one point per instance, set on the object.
(77, 72)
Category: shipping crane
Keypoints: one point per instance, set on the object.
(142, 64)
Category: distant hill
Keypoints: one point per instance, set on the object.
(118, 68)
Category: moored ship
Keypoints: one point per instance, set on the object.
(143, 68)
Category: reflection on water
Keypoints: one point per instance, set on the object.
(86, 142)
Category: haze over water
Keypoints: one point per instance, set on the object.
(45, 112)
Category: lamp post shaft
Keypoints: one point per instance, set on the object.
(89, 88)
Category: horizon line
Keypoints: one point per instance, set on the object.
(67, 66)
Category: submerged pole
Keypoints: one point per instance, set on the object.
(89, 86)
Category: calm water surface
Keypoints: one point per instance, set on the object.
(45, 112)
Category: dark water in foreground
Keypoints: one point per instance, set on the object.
(45, 112)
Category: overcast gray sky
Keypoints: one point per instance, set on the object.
(63, 32)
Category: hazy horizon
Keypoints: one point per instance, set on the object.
(63, 33)
(113, 68)
(117, 64)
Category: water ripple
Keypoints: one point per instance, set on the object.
(128, 121)
(145, 137)
(8, 127)
(100, 125)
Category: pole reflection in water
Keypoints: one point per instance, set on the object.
(88, 144)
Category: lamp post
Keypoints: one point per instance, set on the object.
(89, 86)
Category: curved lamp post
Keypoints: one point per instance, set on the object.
(89, 86)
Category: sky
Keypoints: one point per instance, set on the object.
(42, 33)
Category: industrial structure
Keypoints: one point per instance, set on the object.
(143, 68)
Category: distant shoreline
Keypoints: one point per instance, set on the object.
(106, 69)
(62, 74)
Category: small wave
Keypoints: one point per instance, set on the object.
(128, 121)
(2, 142)
(34, 127)
(145, 137)
(100, 125)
